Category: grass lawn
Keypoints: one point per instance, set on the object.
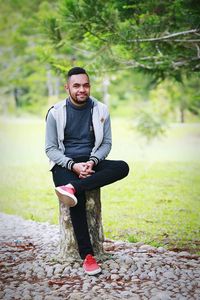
(158, 203)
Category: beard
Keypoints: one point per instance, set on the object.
(79, 99)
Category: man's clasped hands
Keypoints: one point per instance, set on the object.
(83, 169)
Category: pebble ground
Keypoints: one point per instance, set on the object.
(31, 269)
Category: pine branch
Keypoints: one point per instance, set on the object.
(152, 63)
(187, 41)
(169, 36)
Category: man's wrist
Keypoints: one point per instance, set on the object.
(94, 159)
(70, 164)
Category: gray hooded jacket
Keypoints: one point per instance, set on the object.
(55, 125)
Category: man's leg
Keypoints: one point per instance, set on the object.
(61, 176)
(79, 222)
(106, 172)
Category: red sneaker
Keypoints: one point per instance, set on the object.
(66, 195)
(90, 265)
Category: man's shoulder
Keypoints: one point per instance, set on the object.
(56, 107)
(97, 103)
(59, 104)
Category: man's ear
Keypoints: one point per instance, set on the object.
(66, 87)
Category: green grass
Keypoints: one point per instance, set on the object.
(158, 203)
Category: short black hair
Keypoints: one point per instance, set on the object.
(76, 71)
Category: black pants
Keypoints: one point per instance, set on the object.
(106, 172)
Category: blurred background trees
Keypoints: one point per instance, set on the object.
(143, 56)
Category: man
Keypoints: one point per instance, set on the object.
(78, 139)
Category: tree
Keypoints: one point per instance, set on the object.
(184, 95)
(160, 38)
(23, 80)
(40, 40)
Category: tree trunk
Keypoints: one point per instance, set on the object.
(68, 244)
(182, 113)
(49, 83)
(16, 98)
(57, 87)
(105, 85)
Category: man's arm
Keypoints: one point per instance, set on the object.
(55, 154)
(105, 147)
(51, 144)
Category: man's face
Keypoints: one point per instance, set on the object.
(78, 87)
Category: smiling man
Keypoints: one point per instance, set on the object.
(78, 140)
(79, 88)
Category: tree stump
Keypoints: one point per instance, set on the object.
(68, 243)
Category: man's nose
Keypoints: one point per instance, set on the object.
(82, 89)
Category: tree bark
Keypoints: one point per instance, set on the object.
(68, 243)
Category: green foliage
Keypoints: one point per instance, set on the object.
(22, 75)
(157, 38)
(150, 125)
(136, 44)
(184, 96)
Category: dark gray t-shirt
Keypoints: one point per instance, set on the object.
(79, 134)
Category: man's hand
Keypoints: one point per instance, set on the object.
(90, 165)
(79, 167)
(83, 169)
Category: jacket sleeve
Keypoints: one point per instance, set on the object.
(105, 147)
(52, 148)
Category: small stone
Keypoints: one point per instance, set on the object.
(169, 274)
(128, 260)
(183, 254)
(114, 265)
(58, 269)
(161, 296)
(161, 250)
(95, 288)
(26, 296)
(127, 277)
(125, 294)
(66, 271)
(180, 297)
(114, 277)
(152, 275)
(143, 276)
(133, 268)
(114, 271)
(138, 244)
(107, 286)
(135, 297)
(114, 284)
(49, 271)
(38, 297)
(119, 243)
(147, 248)
(86, 286)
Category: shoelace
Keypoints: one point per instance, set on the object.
(90, 260)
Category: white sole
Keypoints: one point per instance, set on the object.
(95, 272)
(65, 197)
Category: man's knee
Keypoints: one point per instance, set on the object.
(123, 168)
